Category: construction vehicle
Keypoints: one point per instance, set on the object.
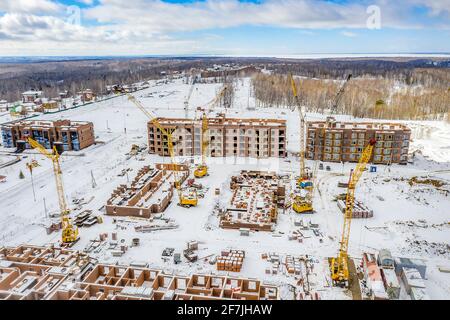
(202, 170)
(134, 150)
(339, 265)
(69, 232)
(186, 200)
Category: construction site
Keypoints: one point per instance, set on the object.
(231, 202)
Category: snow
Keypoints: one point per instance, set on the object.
(118, 124)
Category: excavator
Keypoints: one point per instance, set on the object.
(69, 231)
(302, 204)
(202, 169)
(339, 265)
(186, 199)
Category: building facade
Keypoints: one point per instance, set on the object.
(31, 96)
(255, 138)
(69, 135)
(334, 141)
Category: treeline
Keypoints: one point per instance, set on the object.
(74, 76)
(364, 96)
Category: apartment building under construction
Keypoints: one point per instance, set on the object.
(30, 272)
(64, 134)
(255, 138)
(345, 141)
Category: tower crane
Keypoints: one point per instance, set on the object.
(191, 90)
(340, 94)
(301, 204)
(69, 232)
(303, 175)
(202, 169)
(191, 199)
(334, 108)
(339, 265)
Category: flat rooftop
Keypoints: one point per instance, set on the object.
(46, 124)
(335, 125)
(218, 121)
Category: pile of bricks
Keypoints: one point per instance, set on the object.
(293, 265)
(231, 260)
(274, 260)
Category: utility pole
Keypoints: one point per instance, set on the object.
(45, 208)
(94, 183)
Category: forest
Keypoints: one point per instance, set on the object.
(420, 93)
(395, 88)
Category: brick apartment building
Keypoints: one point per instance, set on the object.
(345, 141)
(66, 134)
(255, 138)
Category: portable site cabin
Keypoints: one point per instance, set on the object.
(385, 259)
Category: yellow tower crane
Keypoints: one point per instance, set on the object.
(339, 265)
(202, 169)
(185, 200)
(69, 232)
(302, 204)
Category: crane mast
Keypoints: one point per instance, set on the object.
(340, 93)
(191, 90)
(302, 204)
(339, 265)
(69, 232)
(202, 169)
(303, 175)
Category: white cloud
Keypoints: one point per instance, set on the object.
(436, 7)
(167, 17)
(149, 24)
(29, 6)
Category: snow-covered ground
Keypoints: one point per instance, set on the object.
(119, 124)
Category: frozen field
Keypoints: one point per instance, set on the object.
(399, 207)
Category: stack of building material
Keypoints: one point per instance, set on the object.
(360, 210)
(231, 260)
(296, 235)
(82, 217)
(274, 259)
(293, 265)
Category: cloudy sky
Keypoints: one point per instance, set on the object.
(223, 27)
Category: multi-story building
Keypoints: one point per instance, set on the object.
(344, 141)
(66, 134)
(256, 138)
